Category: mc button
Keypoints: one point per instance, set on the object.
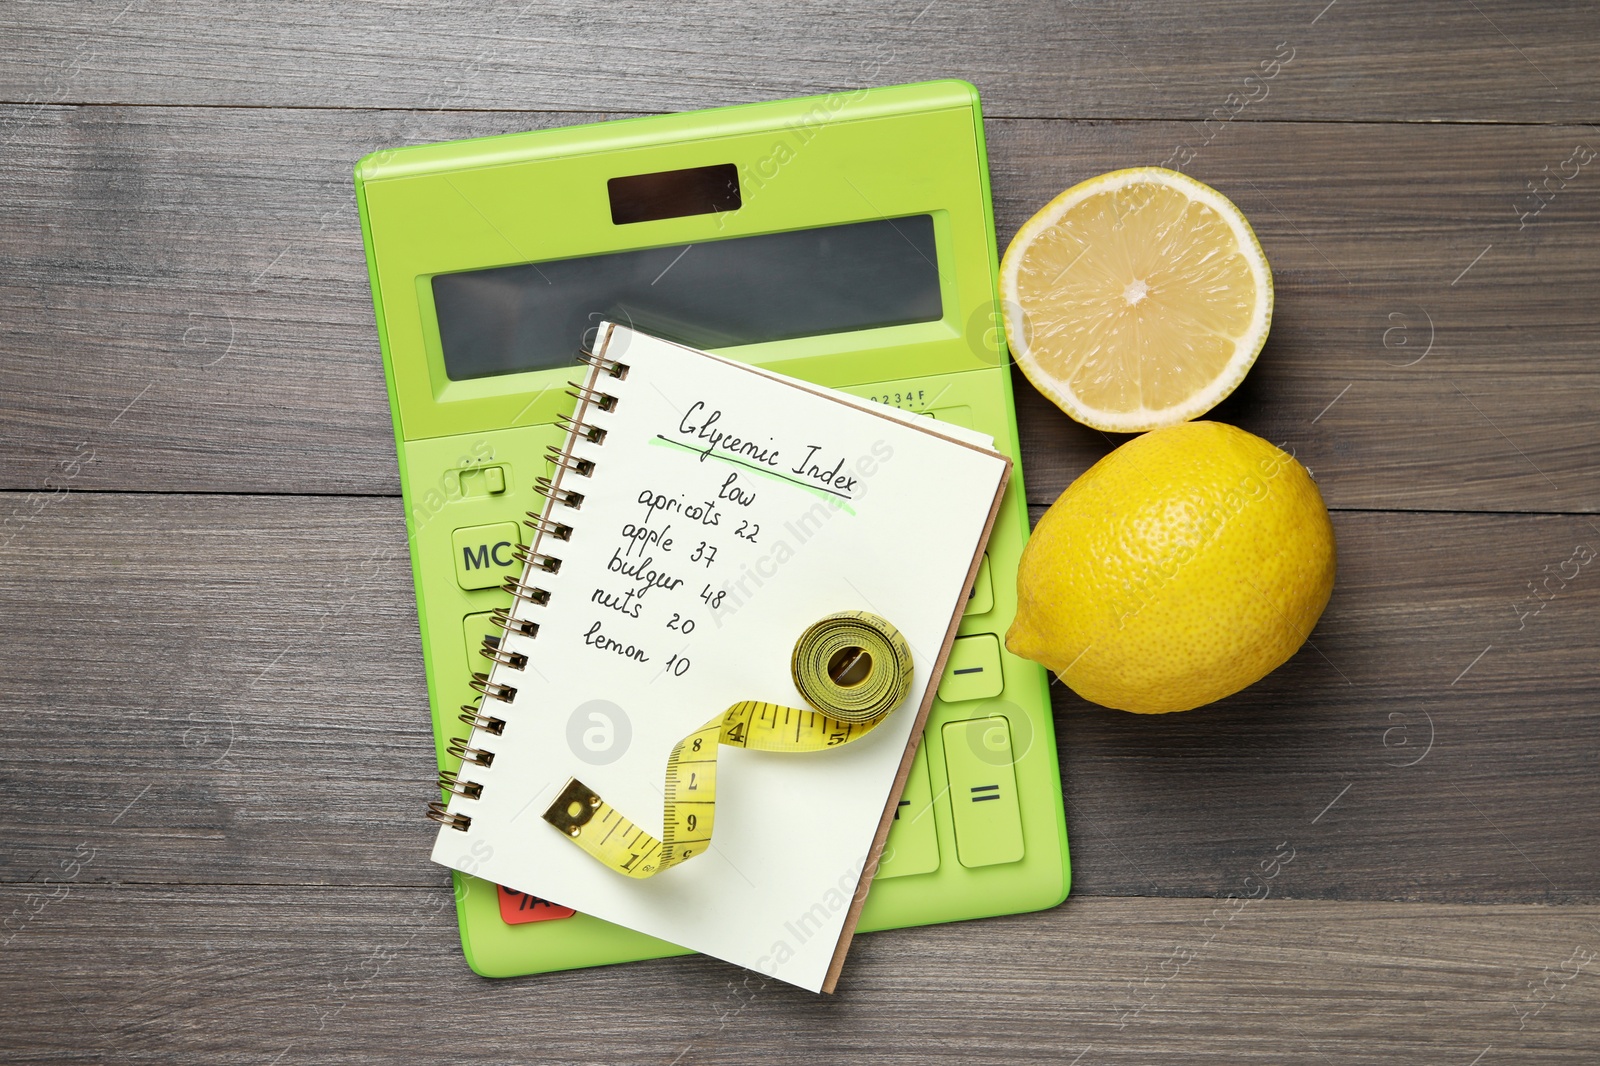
(483, 554)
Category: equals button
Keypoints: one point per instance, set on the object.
(979, 763)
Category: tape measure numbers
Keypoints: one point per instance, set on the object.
(853, 668)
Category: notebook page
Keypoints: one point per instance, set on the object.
(727, 511)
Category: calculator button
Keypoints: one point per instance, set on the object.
(983, 791)
(474, 627)
(913, 844)
(483, 554)
(973, 672)
(982, 599)
(519, 908)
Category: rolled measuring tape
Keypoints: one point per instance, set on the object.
(852, 668)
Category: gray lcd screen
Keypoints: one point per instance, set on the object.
(714, 294)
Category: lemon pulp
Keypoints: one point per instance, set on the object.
(1137, 299)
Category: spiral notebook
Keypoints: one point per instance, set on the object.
(701, 515)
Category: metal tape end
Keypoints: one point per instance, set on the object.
(573, 808)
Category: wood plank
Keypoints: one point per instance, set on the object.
(1357, 59)
(228, 689)
(214, 974)
(212, 731)
(186, 300)
(1399, 300)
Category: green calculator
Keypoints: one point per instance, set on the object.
(845, 239)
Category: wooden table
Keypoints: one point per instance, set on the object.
(215, 744)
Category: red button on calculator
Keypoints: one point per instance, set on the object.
(519, 908)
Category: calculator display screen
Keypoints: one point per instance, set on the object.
(713, 294)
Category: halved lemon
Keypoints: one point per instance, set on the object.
(1137, 299)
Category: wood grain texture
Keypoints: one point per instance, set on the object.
(1353, 59)
(202, 268)
(213, 740)
(252, 686)
(341, 975)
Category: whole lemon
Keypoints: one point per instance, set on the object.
(1187, 564)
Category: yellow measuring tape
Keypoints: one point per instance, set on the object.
(853, 668)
